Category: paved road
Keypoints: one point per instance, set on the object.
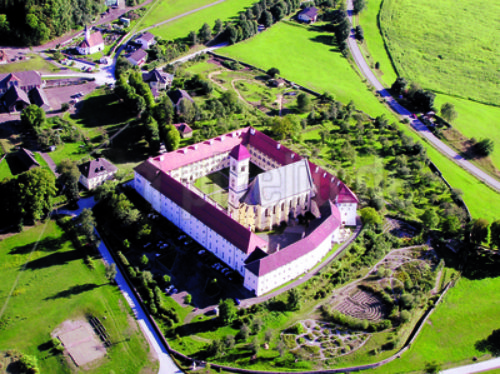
(475, 368)
(167, 365)
(417, 125)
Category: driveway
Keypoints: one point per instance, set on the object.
(405, 113)
(475, 368)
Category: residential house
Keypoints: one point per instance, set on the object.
(15, 99)
(177, 96)
(184, 130)
(25, 80)
(138, 57)
(157, 80)
(27, 159)
(146, 40)
(95, 172)
(92, 43)
(309, 15)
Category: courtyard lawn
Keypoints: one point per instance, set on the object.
(469, 313)
(215, 186)
(34, 63)
(373, 47)
(56, 285)
(73, 151)
(476, 120)
(181, 27)
(307, 57)
(167, 9)
(449, 46)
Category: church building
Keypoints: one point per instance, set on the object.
(285, 189)
(91, 44)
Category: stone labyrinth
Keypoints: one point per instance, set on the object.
(363, 305)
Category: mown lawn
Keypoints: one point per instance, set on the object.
(469, 313)
(166, 9)
(374, 43)
(308, 58)
(4, 169)
(55, 286)
(34, 63)
(180, 28)
(73, 151)
(449, 46)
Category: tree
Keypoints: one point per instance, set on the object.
(286, 127)
(218, 27)
(451, 225)
(405, 316)
(342, 31)
(479, 231)
(152, 133)
(193, 38)
(33, 117)
(495, 234)
(267, 19)
(173, 139)
(432, 367)
(303, 103)
(35, 189)
(448, 112)
(111, 272)
(163, 112)
(399, 86)
(205, 33)
(86, 224)
(188, 298)
(69, 176)
(144, 261)
(430, 219)
(293, 300)
(358, 6)
(273, 72)
(358, 33)
(187, 111)
(369, 216)
(484, 147)
(227, 311)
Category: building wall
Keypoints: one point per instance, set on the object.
(206, 237)
(90, 184)
(347, 213)
(262, 160)
(289, 271)
(191, 172)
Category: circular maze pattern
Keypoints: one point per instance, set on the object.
(363, 305)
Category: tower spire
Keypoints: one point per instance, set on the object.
(87, 33)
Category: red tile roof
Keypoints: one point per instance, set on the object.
(298, 249)
(94, 40)
(240, 152)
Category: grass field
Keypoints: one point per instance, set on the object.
(180, 28)
(73, 151)
(34, 63)
(306, 57)
(449, 46)
(167, 9)
(468, 314)
(214, 185)
(374, 43)
(476, 120)
(56, 285)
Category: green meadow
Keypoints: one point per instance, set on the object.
(469, 313)
(373, 46)
(181, 27)
(166, 9)
(43, 282)
(476, 120)
(308, 58)
(449, 46)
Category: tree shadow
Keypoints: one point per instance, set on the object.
(482, 264)
(54, 259)
(74, 290)
(197, 327)
(491, 344)
(103, 110)
(45, 245)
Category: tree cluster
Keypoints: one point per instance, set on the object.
(32, 22)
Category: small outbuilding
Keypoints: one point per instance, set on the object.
(184, 130)
(138, 57)
(146, 40)
(309, 15)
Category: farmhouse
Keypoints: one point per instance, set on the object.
(309, 14)
(91, 44)
(25, 80)
(146, 40)
(288, 189)
(95, 172)
(157, 80)
(138, 57)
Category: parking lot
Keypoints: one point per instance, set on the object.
(190, 266)
(58, 95)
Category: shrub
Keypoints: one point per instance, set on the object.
(296, 329)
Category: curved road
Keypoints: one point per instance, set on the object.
(417, 125)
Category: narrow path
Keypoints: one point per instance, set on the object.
(405, 113)
(475, 368)
(50, 162)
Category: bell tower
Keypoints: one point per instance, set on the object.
(238, 178)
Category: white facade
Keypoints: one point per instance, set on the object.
(92, 183)
(347, 213)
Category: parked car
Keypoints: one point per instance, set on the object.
(237, 301)
(201, 252)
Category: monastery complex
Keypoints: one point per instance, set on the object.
(287, 189)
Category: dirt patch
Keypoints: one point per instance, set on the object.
(80, 340)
